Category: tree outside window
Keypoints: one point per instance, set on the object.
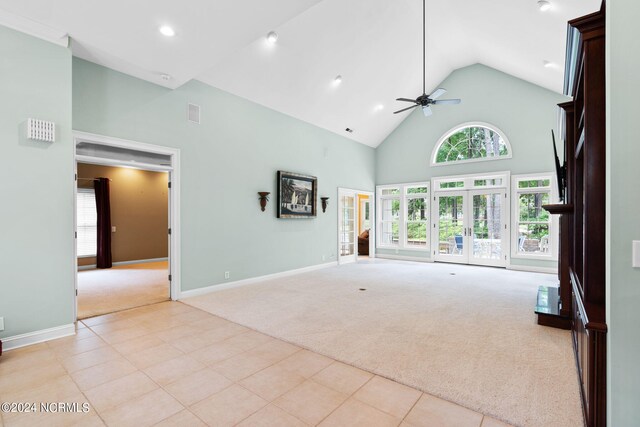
(472, 142)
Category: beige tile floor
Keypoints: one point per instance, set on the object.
(173, 365)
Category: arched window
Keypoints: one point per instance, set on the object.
(471, 142)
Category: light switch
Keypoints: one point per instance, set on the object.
(636, 254)
(113, 228)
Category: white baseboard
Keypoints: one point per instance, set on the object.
(35, 337)
(137, 261)
(244, 282)
(404, 258)
(533, 269)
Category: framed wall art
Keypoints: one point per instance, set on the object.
(297, 195)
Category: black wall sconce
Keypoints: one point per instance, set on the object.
(264, 198)
(325, 202)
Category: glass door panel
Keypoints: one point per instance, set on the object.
(470, 227)
(365, 215)
(487, 230)
(347, 227)
(451, 227)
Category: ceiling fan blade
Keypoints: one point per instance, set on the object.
(405, 109)
(447, 101)
(427, 111)
(437, 93)
(406, 99)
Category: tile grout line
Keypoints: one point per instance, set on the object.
(82, 392)
(159, 387)
(411, 409)
(315, 351)
(257, 410)
(349, 396)
(207, 366)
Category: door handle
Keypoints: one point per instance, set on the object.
(465, 231)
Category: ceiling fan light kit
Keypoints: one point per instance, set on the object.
(424, 100)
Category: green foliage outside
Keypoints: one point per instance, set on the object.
(471, 143)
(416, 211)
(534, 220)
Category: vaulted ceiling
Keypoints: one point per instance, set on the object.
(375, 45)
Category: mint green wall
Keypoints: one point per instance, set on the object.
(526, 113)
(36, 186)
(623, 207)
(225, 161)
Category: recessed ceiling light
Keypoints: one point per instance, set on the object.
(167, 31)
(272, 37)
(337, 80)
(544, 5)
(548, 64)
(379, 107)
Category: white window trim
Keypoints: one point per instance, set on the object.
(469, 179)
(402, 216)
(405, 199)
(515, 208)
(379, 203)
(434, 153)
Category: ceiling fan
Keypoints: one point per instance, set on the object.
(424, 100)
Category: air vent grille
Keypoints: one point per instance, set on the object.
(41, 130)
(193, 114)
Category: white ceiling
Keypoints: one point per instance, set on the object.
(374, 44)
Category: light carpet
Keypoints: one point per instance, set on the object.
(466, 334)
(103, 291)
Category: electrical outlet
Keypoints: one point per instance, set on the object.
(323, 257)
(1, 323)
(227, 274)
(113, 228)
(635, 257)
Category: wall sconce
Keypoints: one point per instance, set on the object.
(325, 202)
(264, 198)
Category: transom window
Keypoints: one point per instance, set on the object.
(471, 142)
(471, 182)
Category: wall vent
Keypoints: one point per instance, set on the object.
(41, 130)
(193, 114)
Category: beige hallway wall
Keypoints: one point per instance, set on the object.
(139, 211)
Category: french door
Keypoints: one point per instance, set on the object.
(347, 230)
(471, 227)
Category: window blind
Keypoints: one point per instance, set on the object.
(87, 220)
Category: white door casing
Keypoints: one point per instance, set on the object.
(475, 225)
(174, 195)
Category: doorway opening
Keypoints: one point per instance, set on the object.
(138, 273)
(471, 224)
(126, 225)
(356, 228)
